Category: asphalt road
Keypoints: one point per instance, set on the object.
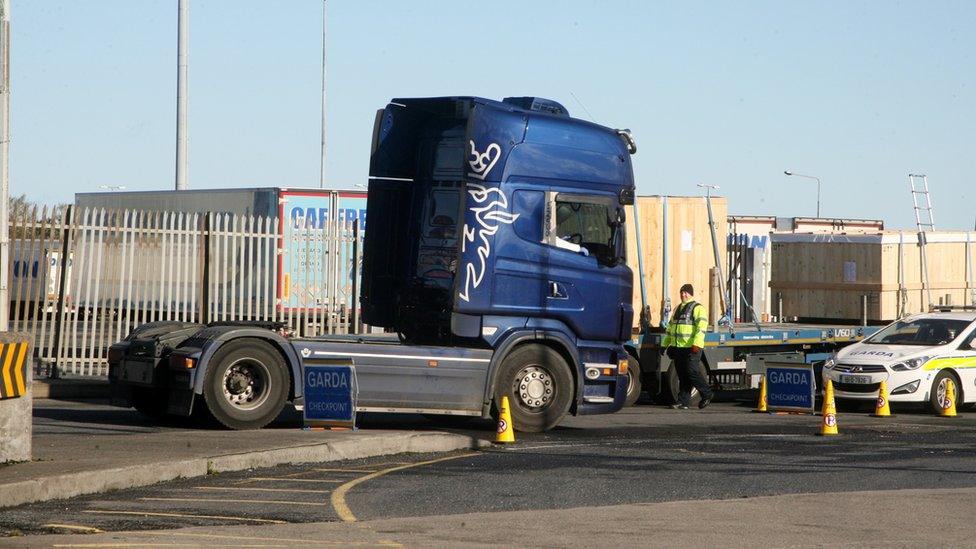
(642, 455)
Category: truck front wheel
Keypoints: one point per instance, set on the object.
(539, 387)
(246, 384)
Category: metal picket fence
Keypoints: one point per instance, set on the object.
(81, 279)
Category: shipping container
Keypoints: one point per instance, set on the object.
(677, 248)
(873, 277)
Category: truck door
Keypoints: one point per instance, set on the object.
(562, 259)
(586, 272)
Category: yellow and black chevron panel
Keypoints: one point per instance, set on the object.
(13, 367)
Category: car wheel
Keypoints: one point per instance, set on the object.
(938, 391)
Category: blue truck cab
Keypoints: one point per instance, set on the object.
(494, 259)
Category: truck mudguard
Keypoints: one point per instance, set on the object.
(214, 337)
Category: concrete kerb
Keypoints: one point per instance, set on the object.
(355, 447)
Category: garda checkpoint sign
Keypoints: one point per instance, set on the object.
(790, 386)
(330, 393)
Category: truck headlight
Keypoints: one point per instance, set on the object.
(910, 364)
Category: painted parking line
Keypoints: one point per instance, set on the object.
(246, 501)
(248, 489)
(155, 544)
(339, 494)
(180, 515)
(74, 527)
(306, 542)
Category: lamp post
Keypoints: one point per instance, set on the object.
(787, 172)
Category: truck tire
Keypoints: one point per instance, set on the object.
(671, 388)
(246, 384)
(937, 393)
(539, 387)
(634, 385)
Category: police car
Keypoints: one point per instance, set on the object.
(915, 356)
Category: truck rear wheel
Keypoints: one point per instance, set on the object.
(634, 385)
(539, 387)
(246, 384)
(671, 388)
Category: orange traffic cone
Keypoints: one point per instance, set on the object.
(762, 395)
(949, 404)
(882, 409)
(829, 424)
(506, 431)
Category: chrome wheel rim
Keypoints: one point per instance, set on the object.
(941, 391)
(534, 388)
(245, 384)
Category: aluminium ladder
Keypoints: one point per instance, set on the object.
(924, 221)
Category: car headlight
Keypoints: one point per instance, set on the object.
(910, 364)
(829, 364)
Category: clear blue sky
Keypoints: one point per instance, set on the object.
(728, 93)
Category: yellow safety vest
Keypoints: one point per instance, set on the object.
(687, 326)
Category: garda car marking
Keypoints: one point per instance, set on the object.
(950, 362)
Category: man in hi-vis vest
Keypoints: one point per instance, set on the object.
(683, 342)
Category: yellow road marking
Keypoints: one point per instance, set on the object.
(206, 500)
(381, 543)
(246, 489)
(147, 544)
(89, 529)
(18, 369)
(285, 479)
(180, 515)
(8, 383)
(344, 470)
(339, 494)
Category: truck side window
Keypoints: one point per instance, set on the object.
(583, 227)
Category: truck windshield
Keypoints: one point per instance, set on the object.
(922, 331)
(587, 227)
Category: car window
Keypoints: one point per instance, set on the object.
(920, 331)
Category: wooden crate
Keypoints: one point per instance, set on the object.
(689, 247)
(822, 276)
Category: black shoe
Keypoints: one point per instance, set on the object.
(678, 407)
(704, 402)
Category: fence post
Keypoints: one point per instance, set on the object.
(66, 236)
(205, 269)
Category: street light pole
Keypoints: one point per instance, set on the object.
(183, 52)
(322, 156)
(787, 172)
(4, 160)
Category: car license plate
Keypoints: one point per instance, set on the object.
(855, 379)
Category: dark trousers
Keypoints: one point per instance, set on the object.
(690, 374)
